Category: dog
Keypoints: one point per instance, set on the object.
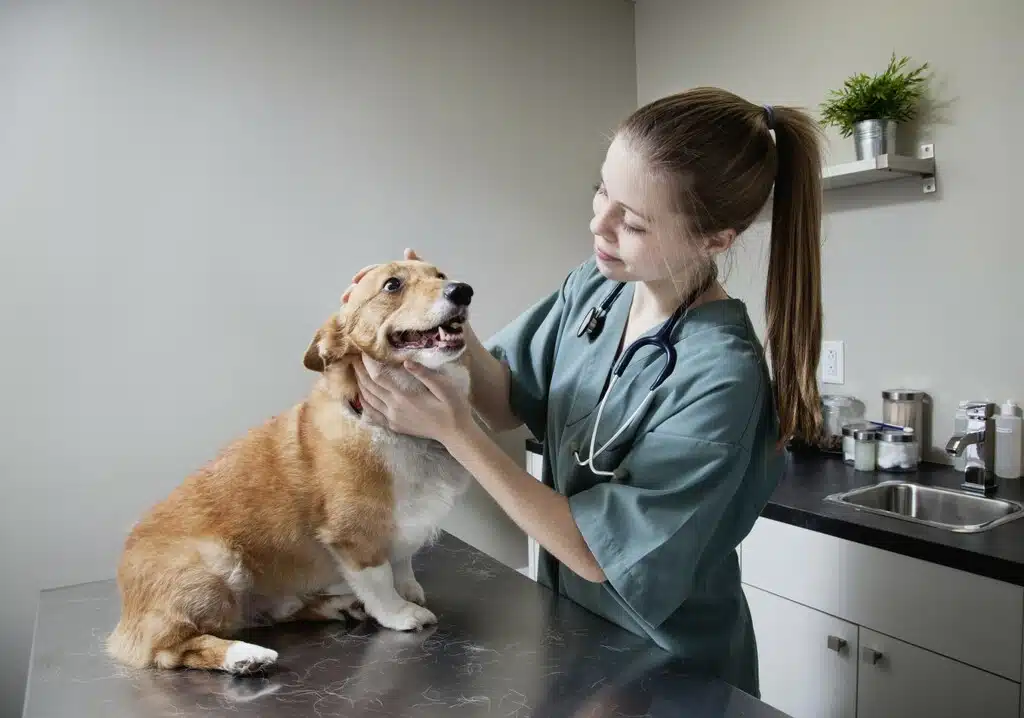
(316, 514)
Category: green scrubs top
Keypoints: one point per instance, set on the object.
(691, 474)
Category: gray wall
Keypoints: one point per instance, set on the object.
(186, 188)
(925, 290)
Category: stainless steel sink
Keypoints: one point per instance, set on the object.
(930, 505)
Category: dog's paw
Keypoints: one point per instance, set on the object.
(410, 617)
(243, 658)
(337, 608)
(411, 590)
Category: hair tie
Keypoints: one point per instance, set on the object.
(769, 116)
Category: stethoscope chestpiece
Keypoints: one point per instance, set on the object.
(593, 320)
(592, 323)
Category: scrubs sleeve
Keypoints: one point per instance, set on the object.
(527, 346)
(650, 530)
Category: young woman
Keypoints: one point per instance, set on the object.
(644, 532)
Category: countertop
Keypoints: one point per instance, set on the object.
(504, 646)
(799, 500)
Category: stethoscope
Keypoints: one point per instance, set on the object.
(592, 325)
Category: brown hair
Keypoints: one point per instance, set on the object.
(718, 149)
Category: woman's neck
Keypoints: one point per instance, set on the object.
(656, 300)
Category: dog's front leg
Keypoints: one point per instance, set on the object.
(365, 566)
(405, 581)
(375, 587)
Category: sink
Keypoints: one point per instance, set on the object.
(930, 505)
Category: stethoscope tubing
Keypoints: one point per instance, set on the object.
(592, 325)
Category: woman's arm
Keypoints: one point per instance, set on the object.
(443, 415)
(538, 510)
(489, 386)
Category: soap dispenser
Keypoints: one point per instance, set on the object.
(1008, 437)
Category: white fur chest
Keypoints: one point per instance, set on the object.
(426, 481)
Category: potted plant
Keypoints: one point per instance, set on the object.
(870, 107)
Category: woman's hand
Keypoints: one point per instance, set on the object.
(439, 412)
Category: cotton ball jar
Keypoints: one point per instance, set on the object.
(898, 450)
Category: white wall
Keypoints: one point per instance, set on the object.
(186, 188)
(957, 254)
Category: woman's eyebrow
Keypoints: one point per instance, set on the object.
(641, 215)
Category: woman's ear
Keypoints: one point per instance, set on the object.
(329, 345)
(721, 241)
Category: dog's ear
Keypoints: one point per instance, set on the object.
(329, 345)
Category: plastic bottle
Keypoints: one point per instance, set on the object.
(1008, 440)
(960, 427)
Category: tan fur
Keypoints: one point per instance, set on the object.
(275, 512)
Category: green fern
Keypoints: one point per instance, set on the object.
(892, 95)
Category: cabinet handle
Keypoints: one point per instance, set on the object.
(837, 644)
(870, 655)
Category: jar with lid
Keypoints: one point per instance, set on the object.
(837, 411)
(903, 407)
(898, 450)
(865, 450)
(849, 442)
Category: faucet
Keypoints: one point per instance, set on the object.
(979, 475)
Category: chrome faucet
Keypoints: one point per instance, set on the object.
(979, 475)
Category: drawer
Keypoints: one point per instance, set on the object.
(897, 680)
(973, 619)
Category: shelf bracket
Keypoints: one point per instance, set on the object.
(926, 152)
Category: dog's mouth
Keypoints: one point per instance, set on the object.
(447, 336)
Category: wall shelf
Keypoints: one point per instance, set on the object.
(881, 169)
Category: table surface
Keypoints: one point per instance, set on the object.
(504, 646)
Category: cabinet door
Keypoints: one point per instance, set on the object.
(807, 660)
(898, 680)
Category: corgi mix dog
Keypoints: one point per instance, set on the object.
(316, 514)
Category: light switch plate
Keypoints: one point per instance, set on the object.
(832, 362)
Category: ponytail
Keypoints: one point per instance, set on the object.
(793, 292)
(719, 148)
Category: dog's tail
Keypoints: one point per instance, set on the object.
(126, 645)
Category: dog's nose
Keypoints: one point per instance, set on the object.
(458, 293)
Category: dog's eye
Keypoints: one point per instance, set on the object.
(442, 276)
(393, 284)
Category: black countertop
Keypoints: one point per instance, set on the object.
(799, 500)
(504, 646)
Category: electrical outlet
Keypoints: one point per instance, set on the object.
(832, 362)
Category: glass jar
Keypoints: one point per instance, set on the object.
(898, 450)
(849, 442)
(836, 412)
(903, 407)
(865, 442)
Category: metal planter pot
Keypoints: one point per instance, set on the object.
(874, 137)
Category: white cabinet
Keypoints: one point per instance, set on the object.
(930, 641)
(807, 660)
(898, 680)
(534, 467)
(923, 603)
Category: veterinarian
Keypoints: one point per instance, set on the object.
(645, 532)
